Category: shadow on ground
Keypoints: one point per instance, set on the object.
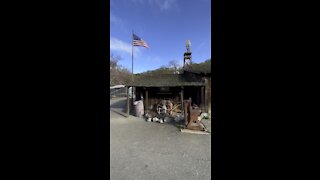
(177, 124)
(119, 104)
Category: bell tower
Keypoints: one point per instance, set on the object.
(187, 58)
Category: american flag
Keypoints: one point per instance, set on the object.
(137, 41)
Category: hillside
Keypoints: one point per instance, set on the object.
(206, 66)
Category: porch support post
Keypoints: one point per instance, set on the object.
(128, 102)
(202, 99)
(181, 97)
(147, 101)
(198, 96)
(206, 95)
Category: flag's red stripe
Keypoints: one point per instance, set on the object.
(140, 43)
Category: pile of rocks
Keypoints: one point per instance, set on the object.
(158, 119)
(163, 118)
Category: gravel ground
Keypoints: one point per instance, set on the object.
(145, 150)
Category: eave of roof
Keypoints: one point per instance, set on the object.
(165, 80)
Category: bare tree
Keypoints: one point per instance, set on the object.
(174, 65)
(113, 69)
(118, 74)
(114, 61)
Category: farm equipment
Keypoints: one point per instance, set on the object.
(191, 114)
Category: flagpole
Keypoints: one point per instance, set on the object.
(132, 65)
(132, 55)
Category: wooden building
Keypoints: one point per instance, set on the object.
(194, 83)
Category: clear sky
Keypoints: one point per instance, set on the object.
(165, 25)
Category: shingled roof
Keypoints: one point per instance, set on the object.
(165, 80)
(200, 68)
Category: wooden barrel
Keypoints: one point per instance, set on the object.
(139, 109)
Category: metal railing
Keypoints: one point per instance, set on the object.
(117, 92)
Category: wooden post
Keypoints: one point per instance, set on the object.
(198, 96)
(206, 95)
(202, 99)
(146, 102)
(181, 96)
(128, 102)
(209, 95)
(137, 92)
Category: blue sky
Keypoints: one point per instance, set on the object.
(165, 25)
